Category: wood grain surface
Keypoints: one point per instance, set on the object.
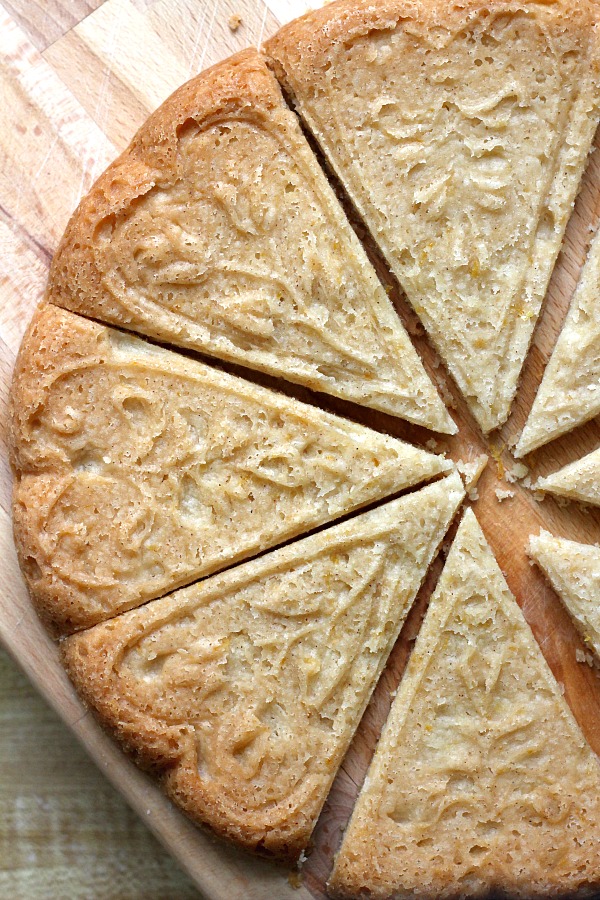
(77, 78)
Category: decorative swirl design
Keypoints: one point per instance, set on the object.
(218, 250)
(157, 471)
(462, 149)
(259, 671)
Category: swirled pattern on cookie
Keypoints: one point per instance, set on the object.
(141, 470)
(461, 132)
(482, 782)
(235, 245)
(248, 686)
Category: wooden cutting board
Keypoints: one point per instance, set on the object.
(77, 78)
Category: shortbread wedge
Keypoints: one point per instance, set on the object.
(140, 470)
(460, 132)
(245, 690)
(569, 394)
(573, 570)
(482, 780)
(580, 480)
(217, 230)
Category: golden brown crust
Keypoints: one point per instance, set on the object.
(305, 43)
(139, 470)
(202, 235)
(52, 335)
(482, 780)
(243, 691)
(284, 840)
(393, 93)
(238, 86)
(169, 752)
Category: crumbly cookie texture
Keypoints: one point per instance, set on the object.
(580, 480)
(244, 690)
(217, 230)
(573, 570)
(460, 131)
(482, 779)
(570, 390)
(472, 469)
(140, 470)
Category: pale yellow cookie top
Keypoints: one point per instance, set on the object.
(570, 390)
(245, 689)
(139, 469)
(218, 231)
(580, 480)
(460, 131)
(482, 779)
(573, 570)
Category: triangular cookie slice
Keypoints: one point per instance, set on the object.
(570, 390)
(580, 480)
(460, 131)
(573, 570)
(245, 690)
(140, 470)
(217, 230)
(482, 779)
